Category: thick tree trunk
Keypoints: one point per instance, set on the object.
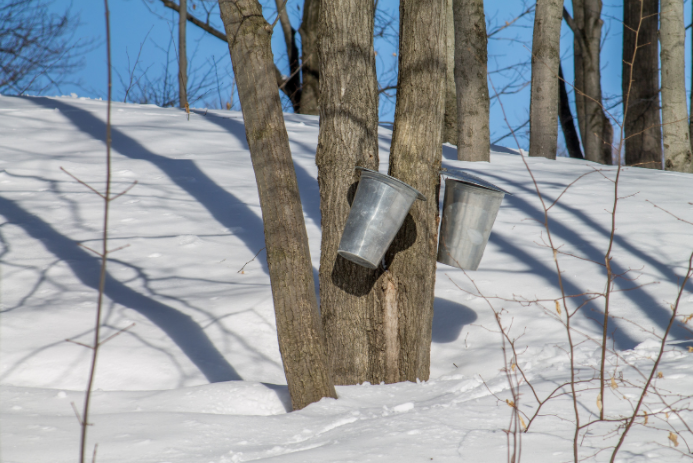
(572, 142)
(300, 333)
(640, 84)
(543, 106)
(595, 129)
(311, 69)
(473, 133)
(182, 55)
(450, 120)
(293, 83)
(415, 158)
(349, 293)
(672, 35)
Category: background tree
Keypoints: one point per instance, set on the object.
(301, 338)
(450, 120)
(672, 35)
(182, 55)
(310, 68)
(565, 115)
(471, 56)
(543, 107)
(642, 123)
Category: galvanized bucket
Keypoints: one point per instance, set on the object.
(380, 206)
(469, 210)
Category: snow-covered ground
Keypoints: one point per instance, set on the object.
(198, 378)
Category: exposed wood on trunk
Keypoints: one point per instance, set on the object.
(640, 84)
(309, 48)
(182, 55)
(672, 36)
(299, 329)
(543, 107)
(572, 142)
(415, 158)
(471, 56)
(349, 293)
(391, 328)
(450, 120)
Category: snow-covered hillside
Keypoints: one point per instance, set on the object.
(199, 379)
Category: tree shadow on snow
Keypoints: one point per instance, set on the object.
(448, 320)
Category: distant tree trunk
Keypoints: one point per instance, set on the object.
(348, 137)
(572, 142)
(309, 45)
(672, 35)
(293, 82)
(473, 133)
(450, 120)
(640, 84)
(415, 158)
(300, 333)
(543, 107)
(182, 55)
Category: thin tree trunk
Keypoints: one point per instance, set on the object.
(349, 293)
(311, 69)
(182, 55)
(640, 85)
(672, 35)
(293, 83)
(473, 132)
(572, 142)
(543, 107)
(450, 120)
(300, 333)
(415, 158)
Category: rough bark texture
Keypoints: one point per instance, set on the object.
(595, 129)
(349, 293)
(182, 55)
(309, 44)
(473, 132)
(301, 338)
(543, 107)
(293, 82)
(450, 120)
(415, 158)
(565, 115)
(640, 84)
(672, 35)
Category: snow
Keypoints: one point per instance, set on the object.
(198, 378)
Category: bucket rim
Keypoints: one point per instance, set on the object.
(465, 177)
(389, 178)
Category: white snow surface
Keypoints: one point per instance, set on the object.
(199, 378)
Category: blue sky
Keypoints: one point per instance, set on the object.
(148, 26)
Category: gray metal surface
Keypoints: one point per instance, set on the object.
(469, 211)
(380, 206)
(466, 177)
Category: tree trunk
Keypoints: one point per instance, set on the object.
(640, 84)
(543, 106)
(473, 133)
(300, 333)
(415, 158)
(450, 120)
(311, 69)
(672, 35)
(182, 55)
(572, 143)
(349, 293)
(293, 83)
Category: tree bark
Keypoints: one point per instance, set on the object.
(350, 295)
(311, 69)
(415, 158)
(543, 107)
(640, 84)
(572, 142)
(182, 55)
(293, 82)
(450, 120)
(672, 35)
(300, 333)
(473, 132)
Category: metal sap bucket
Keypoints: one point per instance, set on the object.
(380, 206)
(469, 210)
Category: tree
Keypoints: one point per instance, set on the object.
(182, 55)
(572, 143)
(543, 106)
(672, 36)
(450, 119)
(38, 50)
(471, 56)
(640, 84)
(310, 68)
(300, 333)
